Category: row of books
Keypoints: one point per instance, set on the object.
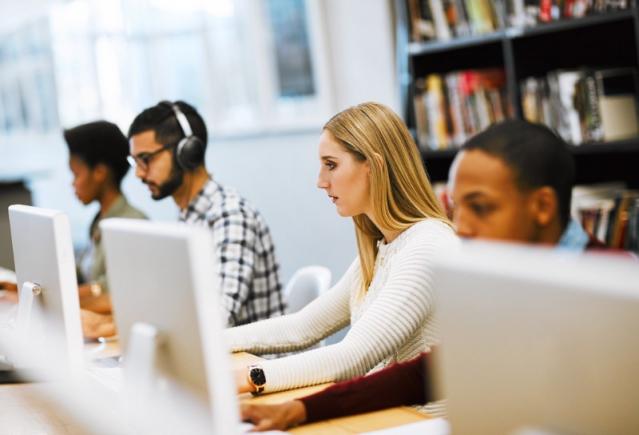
(446, 19)
(584, 105)
(610, 213)
(531, 12)
(451, 108)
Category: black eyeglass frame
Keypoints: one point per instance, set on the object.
(143, 159)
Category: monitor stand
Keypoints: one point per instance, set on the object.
(12, 373)
(26, 295)
(141, 364)
(148, 386)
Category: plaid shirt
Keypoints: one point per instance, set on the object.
(251, 287)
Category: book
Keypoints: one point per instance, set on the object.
(632, 237)
(422, 27)
(585, 105)
(561, 84)
(439, 18)
(609, 212)
(452, 107)
(436, 104)
(618, 102)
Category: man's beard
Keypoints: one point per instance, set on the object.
(171, 185)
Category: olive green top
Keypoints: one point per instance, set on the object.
(92, 263)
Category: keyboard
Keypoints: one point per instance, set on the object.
(106, 372)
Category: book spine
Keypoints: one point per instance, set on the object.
(441, 26)
(593, 116)
(517, 13)
(421, 119)
(458, 135)
(545, 11)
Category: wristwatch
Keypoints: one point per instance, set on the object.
(256, 378)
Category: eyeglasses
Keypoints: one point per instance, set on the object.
(143, 160)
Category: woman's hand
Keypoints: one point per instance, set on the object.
(241, 380)
(274, 417)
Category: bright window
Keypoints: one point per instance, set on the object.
(250, 66)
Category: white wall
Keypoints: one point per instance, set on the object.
(361, 41)
(277, 173)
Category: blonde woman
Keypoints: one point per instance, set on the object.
(372, 172)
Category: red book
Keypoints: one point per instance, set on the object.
(545, 11)
(568, 8)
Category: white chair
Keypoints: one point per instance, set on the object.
(306, 284)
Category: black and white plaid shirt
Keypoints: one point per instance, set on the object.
(251, 287)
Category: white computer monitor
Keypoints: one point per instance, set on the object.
(540, 339)
(48, 332)
(164, 289)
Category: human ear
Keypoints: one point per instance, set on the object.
(100, 172)
(545, 205)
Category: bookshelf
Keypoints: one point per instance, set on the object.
(606, 40)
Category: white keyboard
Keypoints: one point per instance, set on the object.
(109, 377)
(112, 379)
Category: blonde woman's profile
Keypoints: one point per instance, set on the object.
(371, 170)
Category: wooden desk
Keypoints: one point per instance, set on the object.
(24, 411)
(339, 426)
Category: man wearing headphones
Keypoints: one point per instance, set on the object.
(167, 145)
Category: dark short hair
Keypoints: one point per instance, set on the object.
(161, 119)
(537, 156)
(100, 142)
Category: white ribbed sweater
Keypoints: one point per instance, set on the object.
(392, 322)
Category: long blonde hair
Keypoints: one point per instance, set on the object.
(401, 194)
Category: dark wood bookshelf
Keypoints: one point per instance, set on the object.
(427, 47)
(615, 147)
(605, 40)
(477, 41)
(596, 162)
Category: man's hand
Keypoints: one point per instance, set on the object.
(100, 304)
(96, 325)
(274, 417)
(11, 292)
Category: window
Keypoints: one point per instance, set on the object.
(27, 89)
(250, 66)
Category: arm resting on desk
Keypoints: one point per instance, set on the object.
(398, 385)
(401, 384)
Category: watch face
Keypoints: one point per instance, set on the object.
(257, 376)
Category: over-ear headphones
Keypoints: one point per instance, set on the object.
(189, 152)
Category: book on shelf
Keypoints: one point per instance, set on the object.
(610, 213)
(528, 13)
(422, 27)
(442, 28)
(452, 107)
(446, 19)
(617, 92)
(584, 105)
